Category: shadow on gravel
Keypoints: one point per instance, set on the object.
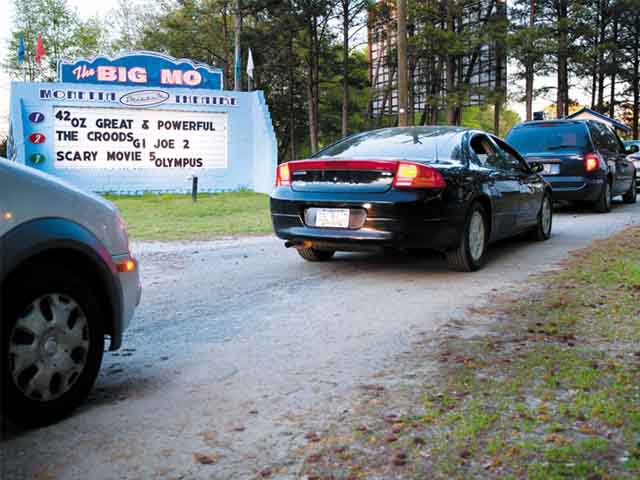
(423, 261)
(583, 209)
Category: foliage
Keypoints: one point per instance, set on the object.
(316, 94)
(64, 34)
(482, 119)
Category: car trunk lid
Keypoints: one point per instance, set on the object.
(566, 163)
(338, 175)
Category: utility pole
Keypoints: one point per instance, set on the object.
(401, 43)
(500, 18)
(237, 85)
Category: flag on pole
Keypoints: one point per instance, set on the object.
(40, 51)
(20, 48)
(250, 65)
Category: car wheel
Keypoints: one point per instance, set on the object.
(314, 255)
(469, 255)
(52, 345)
(603, 204)
(631, 196)
(542, 231)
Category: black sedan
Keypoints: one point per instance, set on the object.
(444, 188)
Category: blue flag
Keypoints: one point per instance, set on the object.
(21, 49)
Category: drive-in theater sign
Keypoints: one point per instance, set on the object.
(143, 122)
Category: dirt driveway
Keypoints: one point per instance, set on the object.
(240, 348)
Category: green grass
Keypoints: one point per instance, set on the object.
(552, 391)
(176, 217)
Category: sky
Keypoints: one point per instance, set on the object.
(102, 8)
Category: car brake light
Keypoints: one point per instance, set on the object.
(591, 162)
(414, 175)
(283, 176)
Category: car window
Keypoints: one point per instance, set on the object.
(484, 152)
(548, 137)
(605, 139)
(417, 144)
(512, 160)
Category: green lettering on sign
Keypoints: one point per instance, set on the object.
(37, 158)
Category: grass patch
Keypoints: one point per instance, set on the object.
(176, 217)
(550, 391)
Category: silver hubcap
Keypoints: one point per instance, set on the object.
(476, 236)
(607, 193)
(48, 347)
(546, 215)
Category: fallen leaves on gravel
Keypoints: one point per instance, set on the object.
(205, 459)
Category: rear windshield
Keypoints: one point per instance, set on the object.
(548, 137)
(421, 145)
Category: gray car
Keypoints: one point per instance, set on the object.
(67, 281)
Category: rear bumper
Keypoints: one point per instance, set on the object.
(393, 219)
(575, 188)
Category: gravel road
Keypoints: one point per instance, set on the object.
(239, 348)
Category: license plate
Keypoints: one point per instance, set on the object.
(551, 169)
(332, 217)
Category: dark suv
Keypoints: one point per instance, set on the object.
(584, 160)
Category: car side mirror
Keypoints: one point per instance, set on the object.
(536, 167)
(632, 149)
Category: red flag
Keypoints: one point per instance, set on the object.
(40, 51)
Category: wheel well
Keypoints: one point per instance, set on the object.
(486, 204)
(68, 260)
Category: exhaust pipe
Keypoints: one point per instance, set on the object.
(298, 244)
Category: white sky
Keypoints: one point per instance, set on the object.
(103, 7)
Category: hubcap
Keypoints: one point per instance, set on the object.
(607, 193)
(476, 236)
(48, 347)
(546, 215)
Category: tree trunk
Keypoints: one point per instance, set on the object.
(614, 60)
(529, 73)
(562, 106)
(450, 68)
(636, 76)
(237, 75)
(601, 40)
(401, 44)
(345, 68)
(312, 84)
(292, 100)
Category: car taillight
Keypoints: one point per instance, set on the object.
(414, 175)
(591, 162)
(283, 176)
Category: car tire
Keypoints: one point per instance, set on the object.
(603, 204)
(632, 195)
(542, 231)
(52, 344)
(469, 255)
(315, 255)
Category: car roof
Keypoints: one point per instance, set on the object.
(444, 129)
(534, 123)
